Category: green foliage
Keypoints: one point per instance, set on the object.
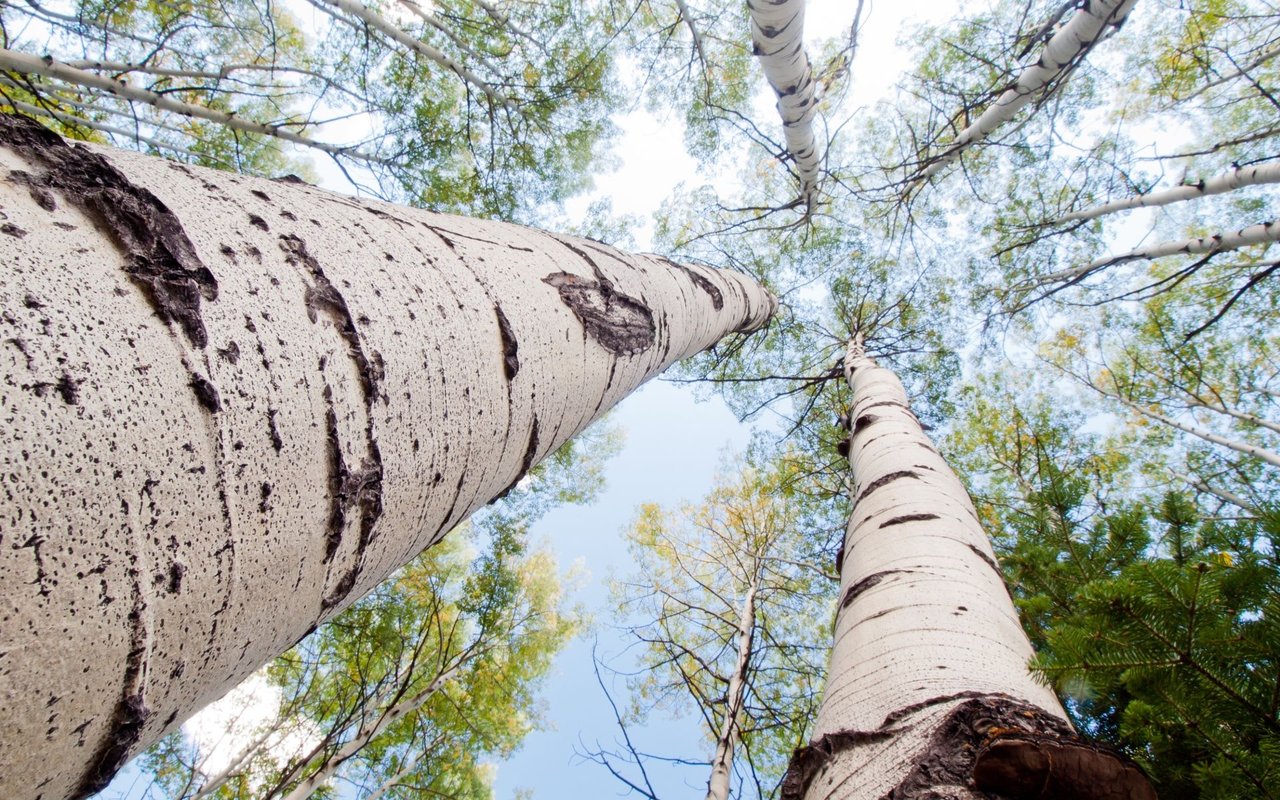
(1155, 618)
(712, 579)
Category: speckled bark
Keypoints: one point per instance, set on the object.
(232, 406)
(928, 692)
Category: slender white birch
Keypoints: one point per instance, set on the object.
(1262, 233)
(232, 406)
(928, 691)
(735, 699)
(1260, 453)
(368, 733)
(777, 37)
(1059, 56)
(1238, 178)
(373, 19)
(50, 68)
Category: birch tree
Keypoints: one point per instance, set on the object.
(928, 688)
(453, 107)
(722, 610)
(236, 405)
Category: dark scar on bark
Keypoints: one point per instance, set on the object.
(988, 560)
(988, 743)
(131, 712)
(905, 518)
(526, 463)
(274, 430)
(866, 583)
(510, 359)
(68, 390)
(618, 323)
(162, 261)
(258, 222)
(884, 480)
(717, 297)
(863, 422)
(206, 393)
(12, 230)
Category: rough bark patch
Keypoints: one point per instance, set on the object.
(885, 480)
(510, 347)
(990, 745)
(905, 518)
(620, 324)
(863, 422)
(162, 261)
(717, 298)
(1026, 765)
(807, 761)
(206, 393)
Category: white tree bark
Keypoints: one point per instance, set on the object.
(49, 68)
(232, 406)
(735, 698)
(1059, 56)
(777, 37)
(1262, 233)
(1237, 178)
(929, 665)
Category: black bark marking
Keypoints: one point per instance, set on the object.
(176, 571)
(68, 389)
(12, 230)
(341, 590)
(131, 712)
(290, 178)
(618, 323)
(510, 347)
(349, 489)
(162, 261)
(259, 223)
(272, 429)
(866, 583)
(988, 560)
(905, 518)
(885, 480)
(530, 451)
(445, 234)
(206, 393)
(230, 353)
(1027, 765)
(323, 295)
(261, 195)
(717, 297)
(264, 505)
(863, 422)
(289, 215)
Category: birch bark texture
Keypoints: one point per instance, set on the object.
(232, 406)
(1060, 55)
(928, 691)
(777, 39)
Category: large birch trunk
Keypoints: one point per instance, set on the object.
(928, 692)
(232, 406)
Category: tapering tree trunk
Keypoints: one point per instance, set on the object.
(232, 406)
(928, 692)
(735, 699)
